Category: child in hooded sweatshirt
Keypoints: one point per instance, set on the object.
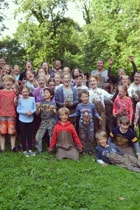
(65, 137)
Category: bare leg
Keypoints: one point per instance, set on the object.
(2, 142)
(13, 140)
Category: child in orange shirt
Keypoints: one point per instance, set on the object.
(8, 101)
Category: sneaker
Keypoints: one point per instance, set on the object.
(31, 153)
(26, 154)
(14, 149)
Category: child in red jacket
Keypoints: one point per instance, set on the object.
(65, 137)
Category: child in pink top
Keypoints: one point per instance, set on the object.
(122, 104)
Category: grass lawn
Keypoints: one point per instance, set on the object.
(43, 183)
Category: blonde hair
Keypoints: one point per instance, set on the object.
(100, 134)
(63, 110)
(9, 77)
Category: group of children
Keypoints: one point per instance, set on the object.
(72, 115)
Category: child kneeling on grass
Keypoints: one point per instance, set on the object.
(65, 137)
(110, 154)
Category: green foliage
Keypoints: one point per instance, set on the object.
(113, 32)
(42, 182)
(12, 51)
(112, 29)
(3, 5)
(49, 35)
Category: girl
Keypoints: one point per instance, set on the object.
(97, 96)
(38, 92)
(26, 108)
(57, 78)
(122, 104)
(31, 81)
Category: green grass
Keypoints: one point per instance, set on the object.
(43, 183)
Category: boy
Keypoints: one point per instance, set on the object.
(48, 110)
(86, 111)
(110, 153)
(124, 137)
(65, 137)
(8, 101)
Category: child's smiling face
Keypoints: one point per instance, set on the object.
(63, 117)
(102, 141)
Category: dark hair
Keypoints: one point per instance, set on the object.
(83, 92)
(50, 91)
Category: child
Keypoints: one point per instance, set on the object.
(8, 101)
(124, 137)
(86, 111)
(109, 153)
(122, 104)
(31, 81)
(97, 96)
(48, 110)
(26, 108)
(38, 92)
(65, 137)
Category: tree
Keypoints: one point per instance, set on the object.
(49, 35)
(12, 51)
(113, 32)
(3, 5)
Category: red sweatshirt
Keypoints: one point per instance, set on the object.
(65, 136)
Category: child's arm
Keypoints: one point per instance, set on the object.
(53, 139)
(137, 114)
(76, 113)
(99, 158)
(76, 138)
(95, 113)
(33, 110)
(37, 108)
(53, 109)
(137, 148)
(19, 110)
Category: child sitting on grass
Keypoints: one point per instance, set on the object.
(65, 137)
(110, 154)
(125, 138)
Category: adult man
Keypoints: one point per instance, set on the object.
(101, 72)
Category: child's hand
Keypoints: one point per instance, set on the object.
(100, 119)
(135, 126)
(50, 149)
(52, 109)
(29, 113)
(37, 105)
(114, 115)
(104, 164)
(79, 149)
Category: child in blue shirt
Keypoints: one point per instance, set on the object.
(86, 111)
(26, 108)
(109, 153)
